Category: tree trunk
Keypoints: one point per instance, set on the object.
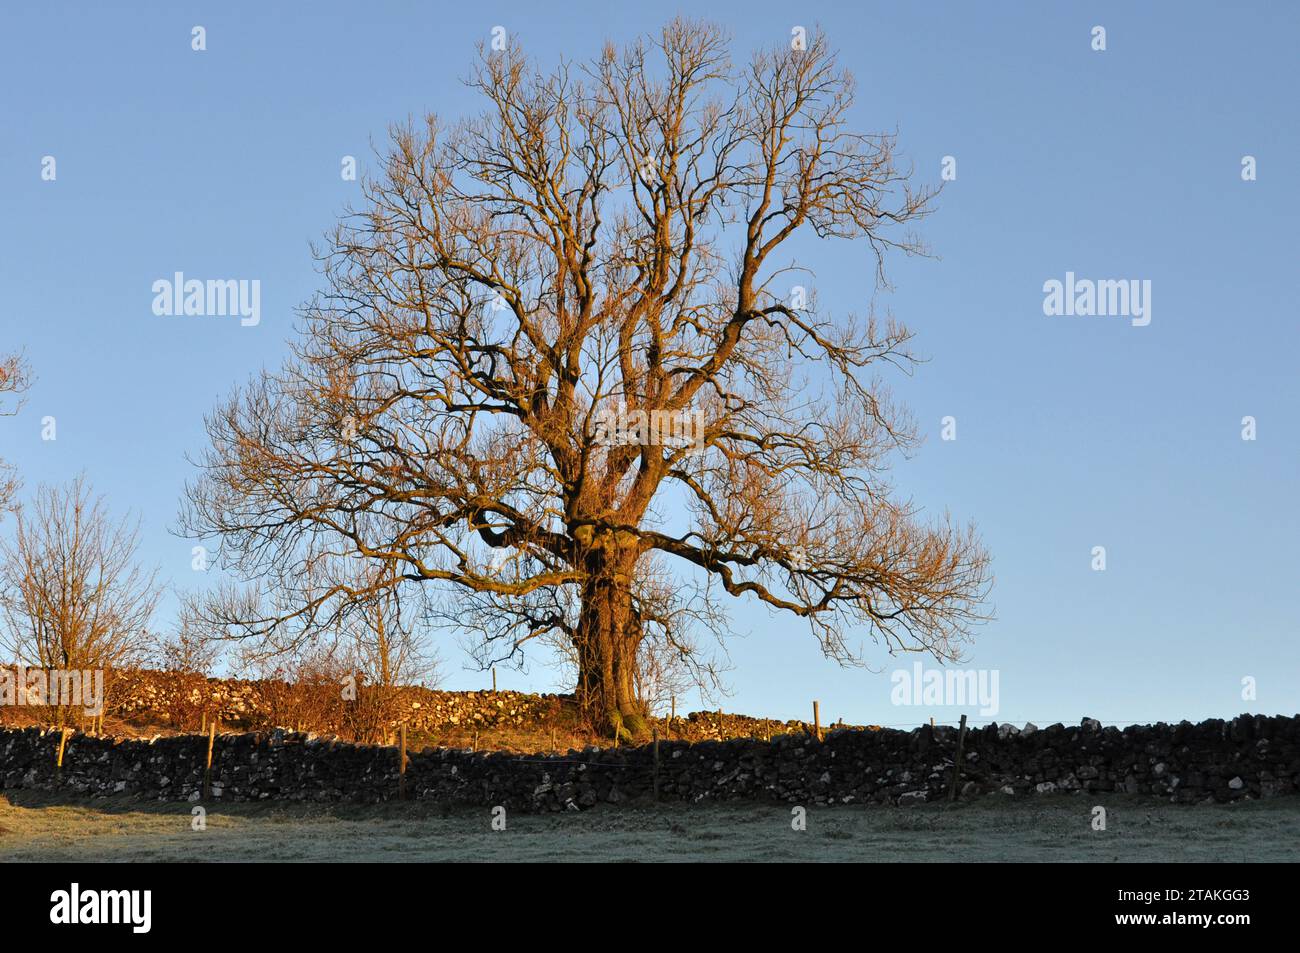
(607, 641)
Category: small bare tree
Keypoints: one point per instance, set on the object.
(568, 331)
(71, 594)
(387, 641)
(298, 688)
(355, 666)
(188, 651)
(15, 378)
(385, 647)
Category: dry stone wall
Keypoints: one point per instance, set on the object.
(151, 695)
(1250, 756)
(181, 699)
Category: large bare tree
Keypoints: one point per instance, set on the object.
(607, 242)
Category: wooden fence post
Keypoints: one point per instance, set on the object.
(63, 740)
(817, 720)
(956, 768)
(494, 678)
(207, 768)
(672, 715)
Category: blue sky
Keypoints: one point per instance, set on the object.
(1072, 432)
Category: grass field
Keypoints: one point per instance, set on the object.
(35, 828)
